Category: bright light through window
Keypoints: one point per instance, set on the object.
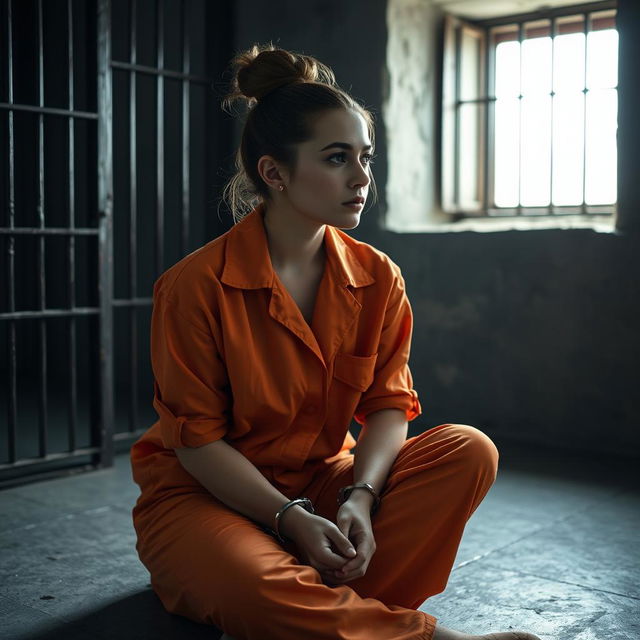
(555, 119)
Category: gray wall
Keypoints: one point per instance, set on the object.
(527, 335)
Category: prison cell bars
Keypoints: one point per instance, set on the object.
(136, 302)
(103, 435)
(41, 314)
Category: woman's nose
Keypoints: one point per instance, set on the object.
(361, 176)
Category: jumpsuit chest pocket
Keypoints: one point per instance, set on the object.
(356, 371)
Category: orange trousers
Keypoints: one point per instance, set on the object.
(215, 566)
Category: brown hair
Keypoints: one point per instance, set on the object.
(283, 91)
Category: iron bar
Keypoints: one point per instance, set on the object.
(103, 436)
(490, 155)
(586, 24)
(186, 69)
(12, 405)
(160, 138)
(560, 211)
(49, 231)
(42, 327)
(133, 216)
(9, 481)
(49, 313)
(50, 457)
(519, 205)
(548, 12)
(554, 31)
(456, 126)
(132, 302)
(164, 73)
(127, 436)
(50, 111)
(72, 395)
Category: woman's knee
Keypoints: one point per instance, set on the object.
(478, 448)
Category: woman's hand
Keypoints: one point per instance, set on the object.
(328, 548)
(319, 542)
(354, 521)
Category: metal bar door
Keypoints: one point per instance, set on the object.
(107, 145)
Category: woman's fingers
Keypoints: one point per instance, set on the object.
(353, 571)
(357, 566)
(324, 547)
(342, 543)
(352, 565)
(324, 559)
(326, 556)
(331, 560)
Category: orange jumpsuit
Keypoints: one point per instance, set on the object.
(233, 358)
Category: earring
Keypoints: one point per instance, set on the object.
(281, 187)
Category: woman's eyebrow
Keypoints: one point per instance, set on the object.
(343, 145)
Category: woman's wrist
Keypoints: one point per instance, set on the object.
(292, 519)
(372, 501)
(361, 497)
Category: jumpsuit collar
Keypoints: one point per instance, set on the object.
(248, 262)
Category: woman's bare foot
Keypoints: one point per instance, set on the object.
(442, 633)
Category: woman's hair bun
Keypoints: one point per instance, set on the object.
(264, 68)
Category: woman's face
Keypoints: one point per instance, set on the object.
(332, 168)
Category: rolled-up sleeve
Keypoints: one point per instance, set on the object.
(191, 387)
(392, 386)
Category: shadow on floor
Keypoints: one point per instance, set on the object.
(140, 616)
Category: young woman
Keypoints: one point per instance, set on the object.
(254, 515)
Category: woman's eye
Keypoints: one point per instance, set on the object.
(367, 158)
(340, 156)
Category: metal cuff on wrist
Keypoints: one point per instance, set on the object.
(345, 492)
(303, 502)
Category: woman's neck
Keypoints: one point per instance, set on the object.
(296, 244)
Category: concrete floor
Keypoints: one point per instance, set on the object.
(554, 549)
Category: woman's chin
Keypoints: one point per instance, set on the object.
(349, 222)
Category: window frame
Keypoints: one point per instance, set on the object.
(454, 29)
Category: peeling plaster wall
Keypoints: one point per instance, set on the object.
(530, 335)
(410, 112)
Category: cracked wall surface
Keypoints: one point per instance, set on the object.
(410, 103)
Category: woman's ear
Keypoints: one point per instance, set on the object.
(271, 172)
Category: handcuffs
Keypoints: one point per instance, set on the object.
(343, 496)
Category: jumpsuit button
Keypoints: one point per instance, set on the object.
(310, 408)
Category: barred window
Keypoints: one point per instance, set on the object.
(530, 113)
